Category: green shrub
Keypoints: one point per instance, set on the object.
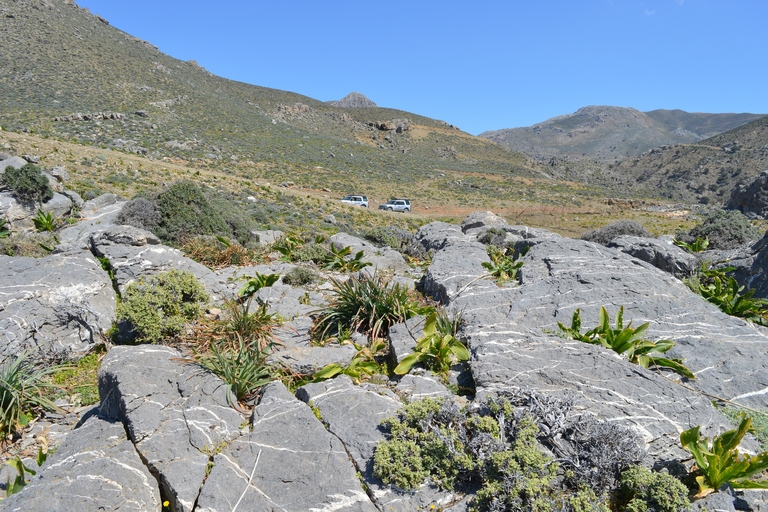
(309, 252)
(141, 213)
(725, 293)
(28, 183)
(300, 276)
(642, 490)
(187, 209)
(725, 229)
(158, 306)
(217, 251)
(607, 233)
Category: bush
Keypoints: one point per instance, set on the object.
(725, 229)
(159, 306)
(186, 210)
(607, 233)
(300, 276)
(309, 252)
(389, 236)
(140, 213)
(28, 183)
(217, 252)
(642, 490)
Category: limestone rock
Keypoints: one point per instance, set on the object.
(60, 303)
(289, 461)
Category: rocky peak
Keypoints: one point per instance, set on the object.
(353, 100)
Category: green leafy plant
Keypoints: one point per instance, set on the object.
(337, 260)
(503, 267)
(625, 340)
(256, 283)
(435, 350)
(286, 245)
(363, 365)
(22, 390)
(725, 293)
(719, 462)
(245, 368)
(366, 305)
(158, 306)
(4, 231)
(27, 183)
(698, 246)
(45, 221)
(21, 479)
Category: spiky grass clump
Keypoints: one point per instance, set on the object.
(366, 305)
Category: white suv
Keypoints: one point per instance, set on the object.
(357, 200)
(396, 205)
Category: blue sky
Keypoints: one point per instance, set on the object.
(480, 65)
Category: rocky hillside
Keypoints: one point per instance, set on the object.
(706, 171)
(66, 73)
(612, 134)
(353, 100)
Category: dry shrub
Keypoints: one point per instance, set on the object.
(215, 253)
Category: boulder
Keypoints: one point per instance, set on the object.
(78, 236)
(15, 161)
(61, 304)
(176, 414)
(751, 199)
(95, 468)
(507, 327)
(381, 259)
(436, 236)
(289, 461)
(20, 214)
(662, 253)
(296, 351)
(477, 220)
(403, 338)
(134, 253)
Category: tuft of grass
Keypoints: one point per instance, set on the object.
(81, 379)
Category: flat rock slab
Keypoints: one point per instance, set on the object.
(60, 303)
(296, 352)
(288, 462)
(354, 415)
(176, 414)
(95, 469)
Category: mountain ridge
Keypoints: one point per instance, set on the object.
(610, 134)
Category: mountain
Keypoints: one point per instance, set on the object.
(610, 134)
(705, 171)
(353, 100)
(67, 74)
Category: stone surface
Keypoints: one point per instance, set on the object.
(751, 199)
(95, 469)
(20, 214)
(288, 462)
(403, 338)
(134, 253)
(476, 220)
(661, 253)
(176, 414)
(297, 353)
(354, 415)
(380, 258)
(60, 303)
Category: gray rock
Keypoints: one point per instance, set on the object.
(15, 161)
(505, 330)
(288, 462)
(296, 351)
(329, 219)
(420, 384)
(436, 236)
(176, 414)
(60, 173)
(751, 199)
(354, 414)
(61, 303)
(476, 220)
(135, 253)
(381, 259)
(95, 468)
(98, 203)
(269, 236)
(78, 236)
(661, 253)
(20, 214)
(403, 338)
(73, 196)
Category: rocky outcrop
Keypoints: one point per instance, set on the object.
(751, 199)
(61, 304)
(353, 100)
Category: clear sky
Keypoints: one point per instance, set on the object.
(480, 65)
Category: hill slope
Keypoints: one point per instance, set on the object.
(610, 134)
(58, 60)
(705, 171)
